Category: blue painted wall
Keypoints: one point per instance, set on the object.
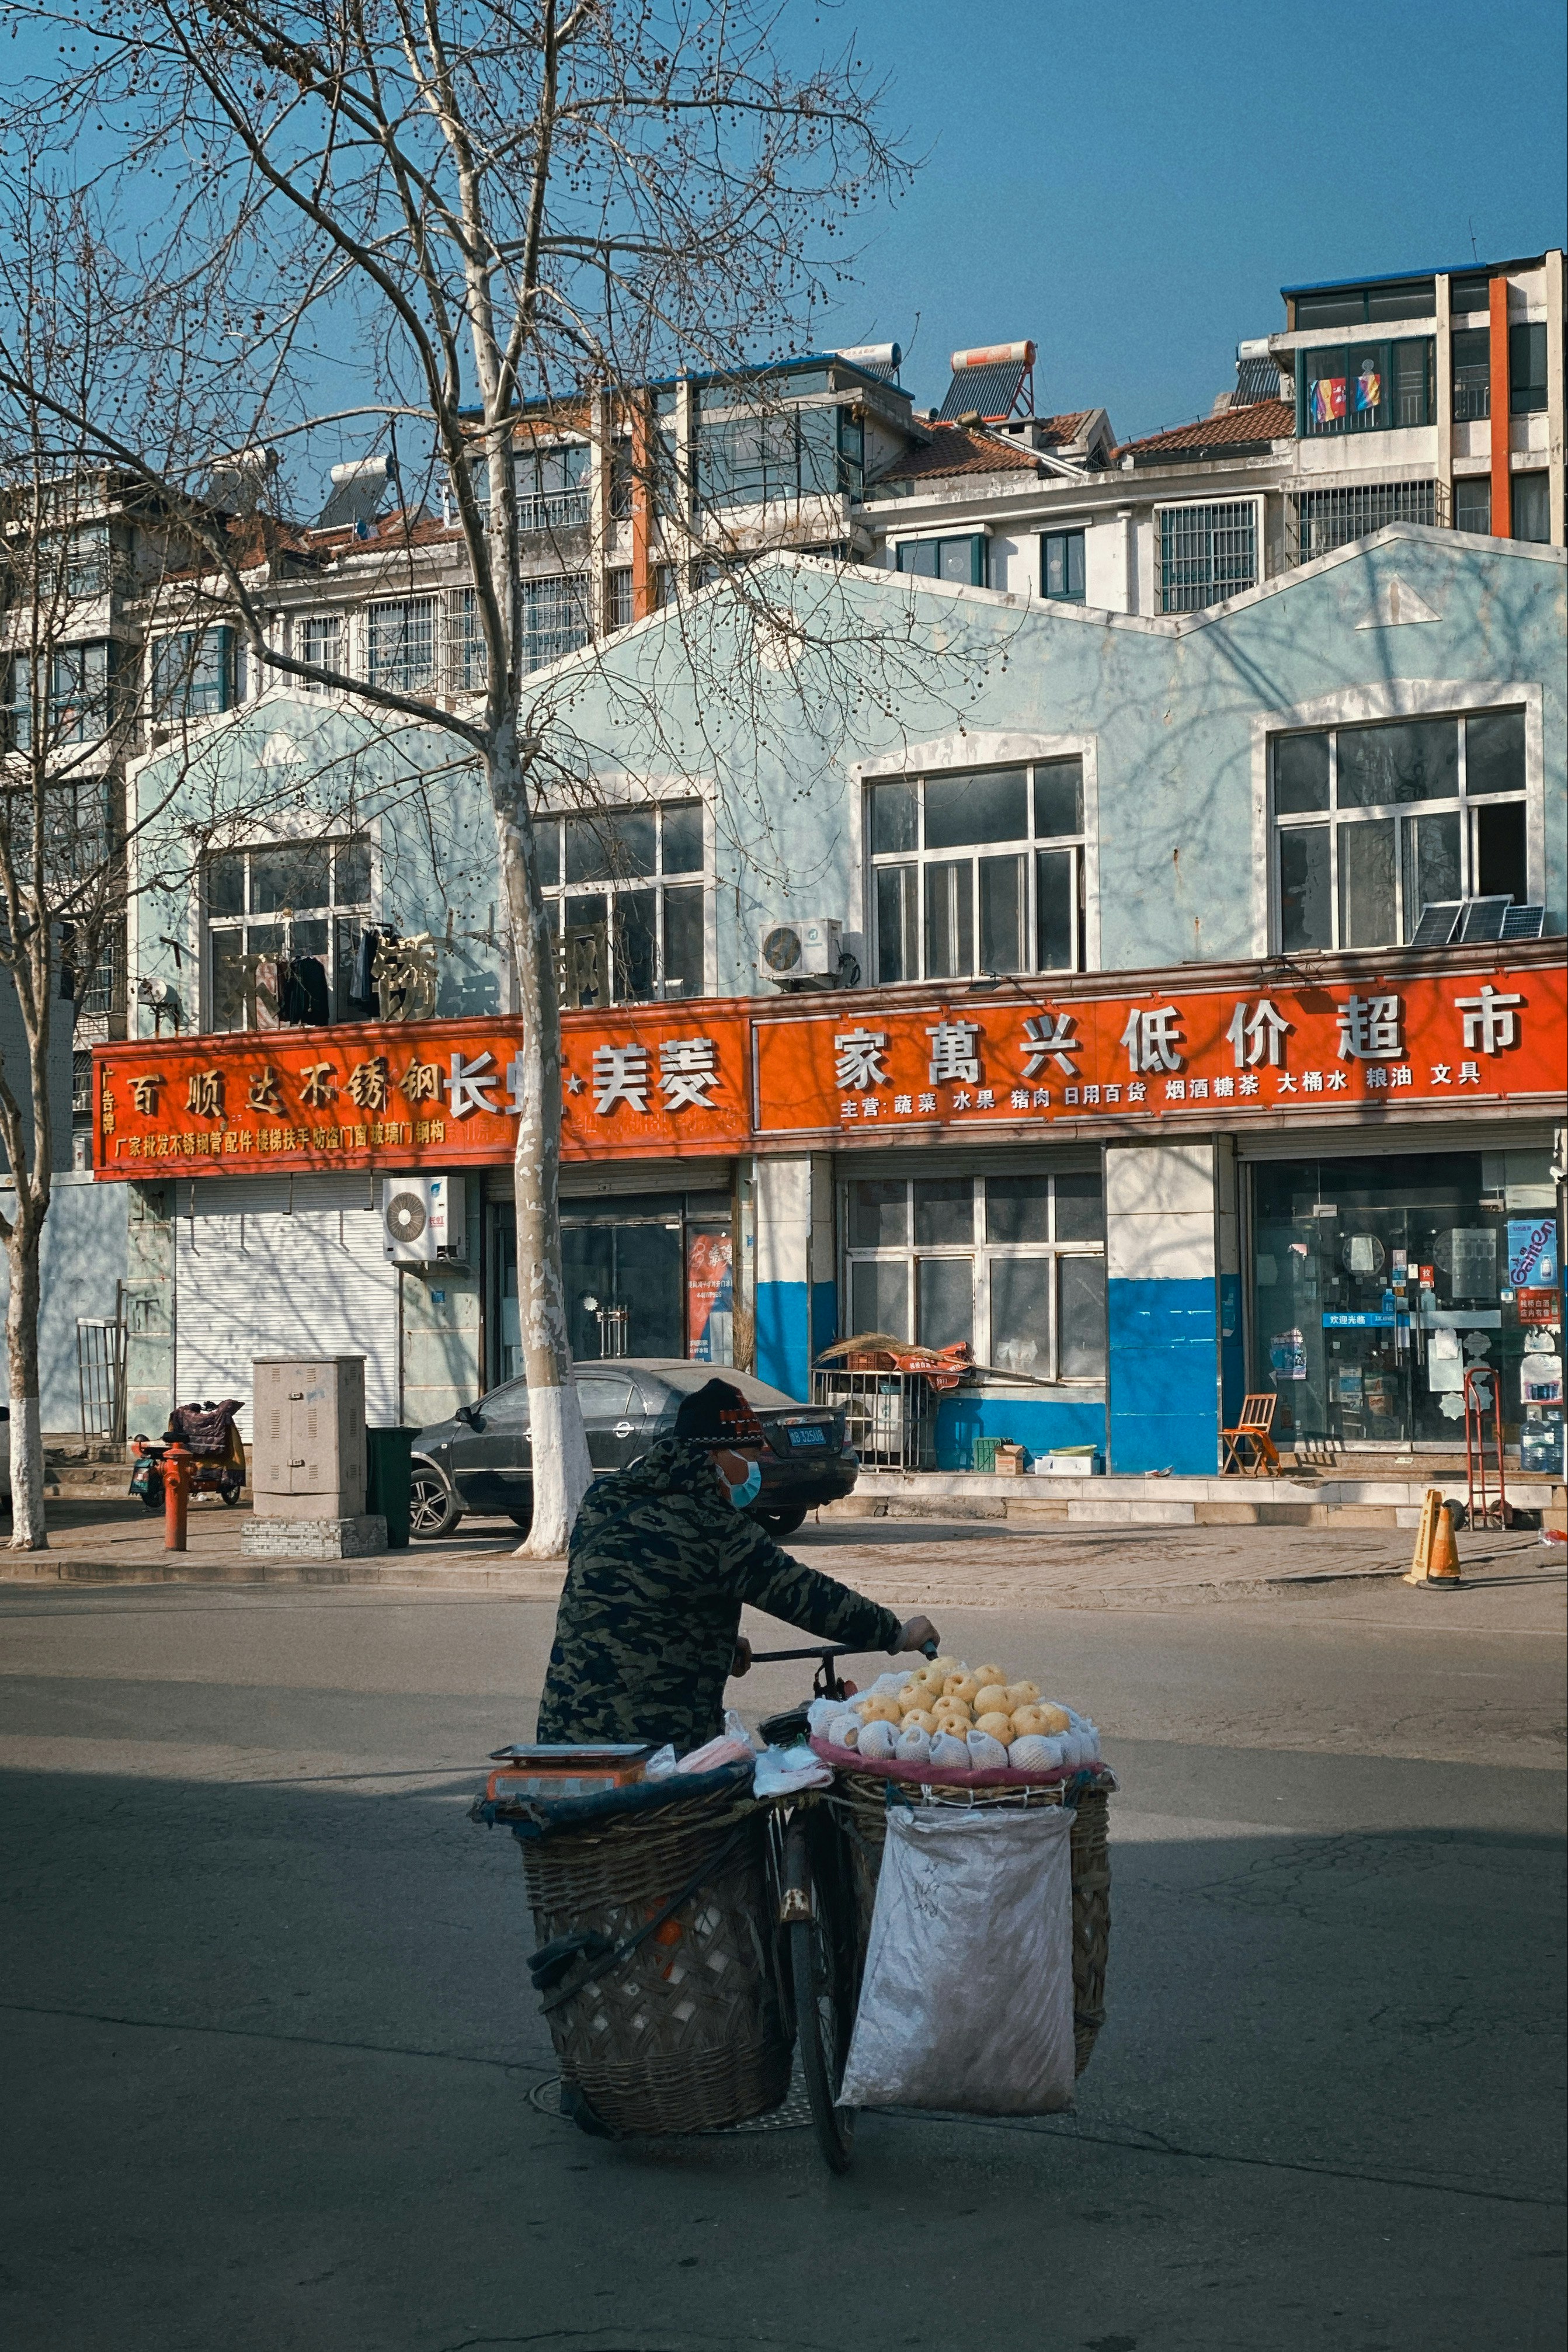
(1039, 1422)
(1164, 1401)
(783, 1337)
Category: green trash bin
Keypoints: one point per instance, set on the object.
(388, 1459)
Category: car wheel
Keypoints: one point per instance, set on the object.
(432, 1506)
(523, 1519)
(781, 1524)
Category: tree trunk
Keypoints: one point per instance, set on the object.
(562, 1472)
(27, 1529)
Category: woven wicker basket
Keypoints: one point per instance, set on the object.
(688, 2031)
(860, 1804)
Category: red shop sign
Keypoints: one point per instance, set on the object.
(644, 1081)
(1181, 1052)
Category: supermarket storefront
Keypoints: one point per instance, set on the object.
(1137, 1195)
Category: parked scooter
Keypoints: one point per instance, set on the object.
(217, 1464)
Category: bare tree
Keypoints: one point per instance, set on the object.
(489, 203)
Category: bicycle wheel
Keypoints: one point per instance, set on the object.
(821, 1983)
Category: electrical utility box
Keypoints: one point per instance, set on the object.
(307, 1453)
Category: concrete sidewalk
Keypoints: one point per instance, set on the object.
(906, 1564)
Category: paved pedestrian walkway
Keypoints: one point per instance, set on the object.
(906, 1564)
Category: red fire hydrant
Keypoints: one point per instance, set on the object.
(176, 1496)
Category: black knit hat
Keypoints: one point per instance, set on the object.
(717, 1414)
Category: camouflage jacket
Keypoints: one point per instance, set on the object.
(660, 1564)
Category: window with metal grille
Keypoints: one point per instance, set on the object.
(1472, 503)
(1206, 553)
(1330, 519)
(467, 659)
(552, 488)
(1371, 824)
(1472, 373)
(555, 618)
(400, 645)
(321, 642)
(618, 598)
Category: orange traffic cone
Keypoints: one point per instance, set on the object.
(1443, 1567)
(1425, 1528)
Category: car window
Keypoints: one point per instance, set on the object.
(603, 1398)
(687, 1379)
(506, 1407)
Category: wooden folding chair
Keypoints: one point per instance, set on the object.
(1252, 1429)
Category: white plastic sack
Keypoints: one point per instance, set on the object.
(967, 1999)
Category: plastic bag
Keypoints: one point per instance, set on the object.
(967, 1999)
(780, 1771)
(659, 1765)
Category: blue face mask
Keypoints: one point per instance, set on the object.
(750, 1486)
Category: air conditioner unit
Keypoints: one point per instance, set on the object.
(425, 1220)
(802, 948)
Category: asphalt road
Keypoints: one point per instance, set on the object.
(269, 2059)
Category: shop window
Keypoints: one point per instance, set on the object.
(1375, 1281)
(977, 873)
(1371, 824)
(283, 933)
(1061, 565)
(1206, 553)
(1012, 1266)
(626, 890)
(649, 1275)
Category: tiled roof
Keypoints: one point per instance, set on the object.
(968, 449)
(1254, 426)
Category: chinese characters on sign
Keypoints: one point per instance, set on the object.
(645, 1080)
(452, 1092)
(1203, 1052)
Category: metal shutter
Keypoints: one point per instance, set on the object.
(250, 1280)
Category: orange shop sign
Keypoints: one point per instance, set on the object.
(648, 1080)
(1177, 1052)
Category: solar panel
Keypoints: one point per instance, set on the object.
(1524, 922)
(1484, 918)
(1439, 920)
(988, 391)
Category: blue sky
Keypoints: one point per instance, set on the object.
(1131, 185)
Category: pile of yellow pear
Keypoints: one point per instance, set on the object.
(947, 1696)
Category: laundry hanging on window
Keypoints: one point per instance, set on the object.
(361, 993)
(302, 998)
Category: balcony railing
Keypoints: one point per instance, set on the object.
(553, 510)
